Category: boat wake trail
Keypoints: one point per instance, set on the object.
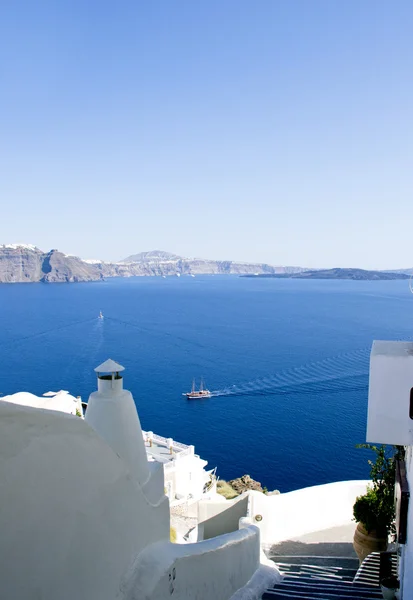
(44, 333)
(338, 371)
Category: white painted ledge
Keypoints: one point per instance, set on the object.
(212, 570)
(305, 511)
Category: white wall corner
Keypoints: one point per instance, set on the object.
(266, 576)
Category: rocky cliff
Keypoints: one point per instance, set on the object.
(25, 263)
(20, 263)
(58, 267)
(158, 262)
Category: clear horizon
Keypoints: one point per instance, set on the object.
(279, 132)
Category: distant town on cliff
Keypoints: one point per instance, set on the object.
(20, 263)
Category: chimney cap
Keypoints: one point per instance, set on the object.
(109, 366)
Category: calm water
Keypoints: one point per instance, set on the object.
(288, 357)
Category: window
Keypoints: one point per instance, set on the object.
(411, 404)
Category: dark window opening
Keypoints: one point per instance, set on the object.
(411, 404)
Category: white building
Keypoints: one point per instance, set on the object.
(83, 513)
(390, 421)
(83, 510)
(61, 401)
(186, 480)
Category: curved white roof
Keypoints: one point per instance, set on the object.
(109, 366)
(61, 401)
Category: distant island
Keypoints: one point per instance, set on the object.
(354, 274)
(25, 263)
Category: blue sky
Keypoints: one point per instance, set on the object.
(274, 131)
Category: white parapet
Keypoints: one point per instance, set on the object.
(305, 511)
(228, 566)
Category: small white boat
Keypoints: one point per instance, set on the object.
(100, 315)
(197, 394)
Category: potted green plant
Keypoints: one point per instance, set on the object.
(374, 510)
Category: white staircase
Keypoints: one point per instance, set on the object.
(325, 578)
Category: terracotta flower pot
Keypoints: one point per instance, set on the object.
(365, 543)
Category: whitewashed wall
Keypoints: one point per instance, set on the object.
(72, 519)
(210, 570)
(289, 515)
(218, 515)
(75, 523)
(185, 477)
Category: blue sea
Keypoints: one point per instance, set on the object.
(287, 361)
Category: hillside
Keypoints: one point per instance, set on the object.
(151, 256)
(21, 263)
(25, 263)
(165, 263)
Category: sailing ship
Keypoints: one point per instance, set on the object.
(100, 315)
(195, 394)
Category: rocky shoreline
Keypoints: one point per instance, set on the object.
(235, 487)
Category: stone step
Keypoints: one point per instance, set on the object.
(331, 578)
(314, 560)
(342, 590)
(296, 570)
(369, 571)
(287, 595)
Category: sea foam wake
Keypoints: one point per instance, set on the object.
(340, 370)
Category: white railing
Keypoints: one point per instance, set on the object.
(159, 439)
(189, 450)
(183, 449)
(177, 457)
(179, 445)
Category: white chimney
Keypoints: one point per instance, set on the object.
(112, 413)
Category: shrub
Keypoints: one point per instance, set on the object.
(375, 509)
(366, 510)
(224, 488)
